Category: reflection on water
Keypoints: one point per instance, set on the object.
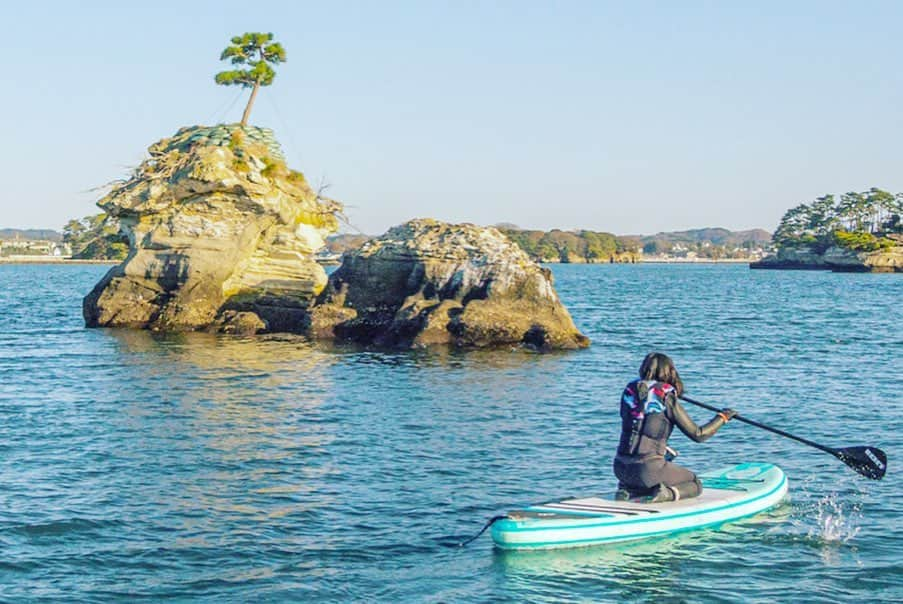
(213, 430)
(264, 354)
(656, 569)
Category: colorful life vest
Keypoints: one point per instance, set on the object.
(645, 396)
(645, 400)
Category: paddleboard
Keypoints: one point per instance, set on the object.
(728, 494)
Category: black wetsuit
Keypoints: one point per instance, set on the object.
(640, 464)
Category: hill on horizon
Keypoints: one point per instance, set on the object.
(31, 234)
(592, 246)
(715, 235)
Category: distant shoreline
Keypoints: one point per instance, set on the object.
(75, 261)
(696, 260)
(52, 260)
(663, 261)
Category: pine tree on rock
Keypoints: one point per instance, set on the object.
(258, 52)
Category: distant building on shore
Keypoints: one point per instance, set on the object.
(34, 247)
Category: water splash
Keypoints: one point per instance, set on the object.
(835, 522)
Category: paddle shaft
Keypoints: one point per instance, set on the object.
(833, 452)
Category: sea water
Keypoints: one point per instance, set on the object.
(207, 468)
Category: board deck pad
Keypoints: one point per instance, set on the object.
(728, 494)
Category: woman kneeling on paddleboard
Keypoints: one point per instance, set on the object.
(649, 412)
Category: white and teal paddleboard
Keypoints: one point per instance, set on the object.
(728, 494)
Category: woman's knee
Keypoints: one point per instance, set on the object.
(689, 489)
(674, 474)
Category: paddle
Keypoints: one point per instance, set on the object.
(871, 462)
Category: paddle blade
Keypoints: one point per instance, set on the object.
(868, 461)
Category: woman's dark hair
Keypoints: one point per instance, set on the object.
(659, 367)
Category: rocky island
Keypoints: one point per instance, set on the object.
(428, 282)
(222, 236)
(859, 232)
(836, 258)
(220, 232)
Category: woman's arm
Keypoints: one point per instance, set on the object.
(682, 420)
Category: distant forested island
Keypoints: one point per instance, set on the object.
(593, 246)
(583, 246)
(96, 237)
(850, 232)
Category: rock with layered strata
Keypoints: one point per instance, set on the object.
(789, 258)
(222, 235)
(837, 259)
(427, 282)
(888, 260)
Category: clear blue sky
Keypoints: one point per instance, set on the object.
(625, 117)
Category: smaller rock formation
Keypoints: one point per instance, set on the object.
(790, 258)
(428, 282)
(835, 258)
(221, 234)
(843, 260)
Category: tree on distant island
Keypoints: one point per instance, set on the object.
(570, 246)
(592, 246)
(258, 52)
(859, 221)
(96, 237)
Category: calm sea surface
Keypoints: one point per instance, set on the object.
(224, 469)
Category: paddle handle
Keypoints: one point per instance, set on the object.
(805, 441)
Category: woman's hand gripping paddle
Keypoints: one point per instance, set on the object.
(871, 462)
